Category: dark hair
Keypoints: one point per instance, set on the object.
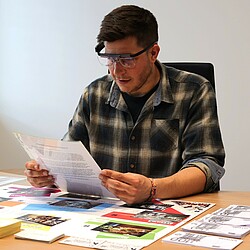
(129, 20)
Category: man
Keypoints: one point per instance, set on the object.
(152, 129)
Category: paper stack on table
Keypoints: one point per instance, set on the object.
(202, 240)
(234, 231)
(231, 222)
(9, 226)
(38, 235)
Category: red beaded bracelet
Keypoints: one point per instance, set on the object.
(153, 190)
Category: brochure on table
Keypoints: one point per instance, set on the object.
(92, 221)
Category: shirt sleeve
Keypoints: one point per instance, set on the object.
(202, 140)
(77, 130)
(212, 170)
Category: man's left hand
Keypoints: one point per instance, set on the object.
(129, 187)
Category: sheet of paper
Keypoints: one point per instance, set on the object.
(101, 243)
(9, 179)
(69, 162)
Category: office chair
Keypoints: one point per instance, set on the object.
(204, 69)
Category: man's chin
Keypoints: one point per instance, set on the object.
(124, 90)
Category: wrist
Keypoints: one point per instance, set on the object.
(152, 194)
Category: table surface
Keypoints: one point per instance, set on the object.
(221, 199)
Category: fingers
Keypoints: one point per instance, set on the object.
(121, 190)
(32, 165)
(33, 170)
(129, 187)
(41, 181)
(117, 186)
(37, 176)
(122, 177)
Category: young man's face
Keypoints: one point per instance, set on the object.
(140, 79)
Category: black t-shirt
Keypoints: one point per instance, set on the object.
(135, 103)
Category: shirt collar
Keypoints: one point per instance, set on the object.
(162, 94)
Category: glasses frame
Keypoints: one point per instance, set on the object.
(117, 57)
(101, 46)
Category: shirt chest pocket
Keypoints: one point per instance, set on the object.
(164, 135)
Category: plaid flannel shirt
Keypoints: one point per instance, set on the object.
(177, 128)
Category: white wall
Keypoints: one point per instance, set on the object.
(47, 57)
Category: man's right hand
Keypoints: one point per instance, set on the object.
(36, 176)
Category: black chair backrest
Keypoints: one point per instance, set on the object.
(201, 68)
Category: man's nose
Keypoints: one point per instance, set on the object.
(117, 67)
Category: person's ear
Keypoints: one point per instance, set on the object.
(154, 52)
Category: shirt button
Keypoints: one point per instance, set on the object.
(132, 165)
(132, 137)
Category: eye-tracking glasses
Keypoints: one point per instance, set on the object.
(126, 60)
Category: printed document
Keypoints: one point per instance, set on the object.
(69, 162)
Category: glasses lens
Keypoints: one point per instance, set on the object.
(127, 62)
(109, 61)
(104, 61)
